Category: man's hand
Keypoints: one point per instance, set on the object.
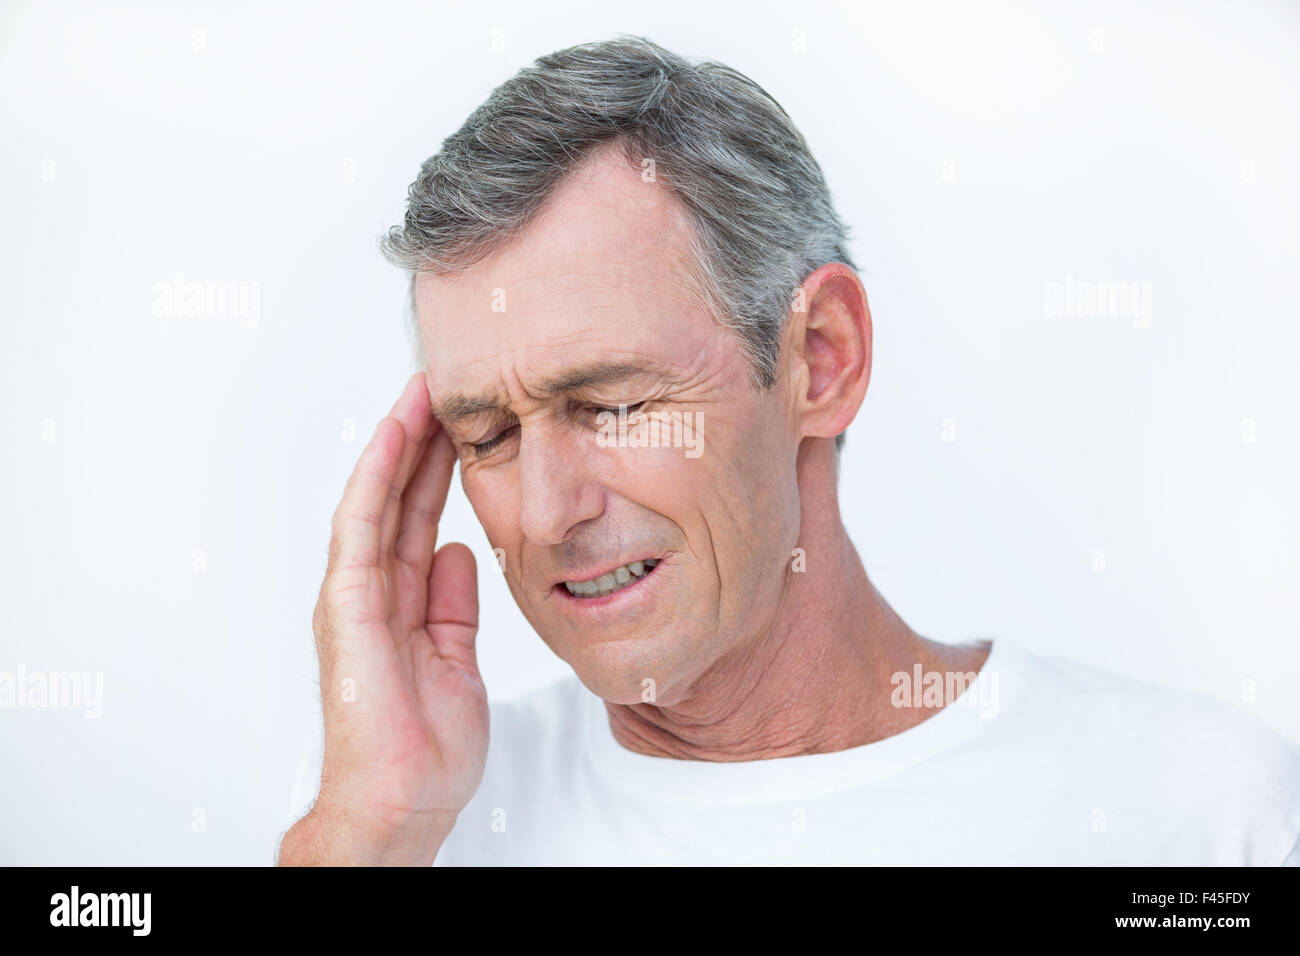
(406, 713)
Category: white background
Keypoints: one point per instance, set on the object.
(172, 534)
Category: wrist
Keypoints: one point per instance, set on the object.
(338, 832)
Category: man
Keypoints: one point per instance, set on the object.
(644, 342)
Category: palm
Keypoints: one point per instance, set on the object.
(441, 689)
(399, 620)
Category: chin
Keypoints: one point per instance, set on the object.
(620, 671)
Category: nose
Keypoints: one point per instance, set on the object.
(557, 485)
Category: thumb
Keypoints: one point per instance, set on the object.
(452, 618)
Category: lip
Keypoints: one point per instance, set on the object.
(632, 592)
(590, 574)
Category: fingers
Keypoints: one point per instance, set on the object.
(412, 410)
(453, 604)
(358, 519)
(422, 504)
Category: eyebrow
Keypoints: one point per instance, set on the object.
(460, 406)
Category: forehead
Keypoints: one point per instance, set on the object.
(602, 273)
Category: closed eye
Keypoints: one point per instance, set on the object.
(614, 411)
(484, 447)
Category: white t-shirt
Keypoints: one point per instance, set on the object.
(1042, 761)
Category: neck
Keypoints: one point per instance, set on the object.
(817, 679)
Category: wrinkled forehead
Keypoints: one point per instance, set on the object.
(603, 272)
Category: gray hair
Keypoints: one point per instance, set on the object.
(756, 198)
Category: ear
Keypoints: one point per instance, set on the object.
(830, 347)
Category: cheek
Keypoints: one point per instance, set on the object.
(494, 503)
(754, 516)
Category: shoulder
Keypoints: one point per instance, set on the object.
(1136, 712)
(1200, 758)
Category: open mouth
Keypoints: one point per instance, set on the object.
(623, 576)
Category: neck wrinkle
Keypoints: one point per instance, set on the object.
(817, 680)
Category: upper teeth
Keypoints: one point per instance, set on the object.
(620, 577)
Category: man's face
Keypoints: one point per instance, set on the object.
(587, 310)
